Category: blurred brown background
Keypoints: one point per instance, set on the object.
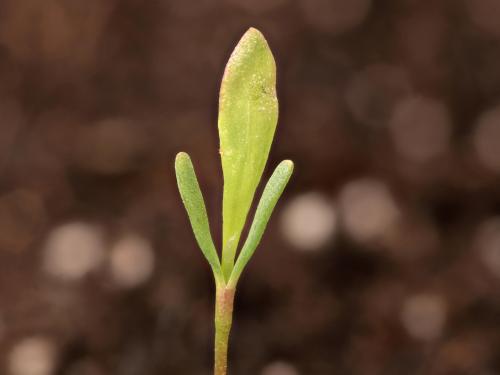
(383, 256)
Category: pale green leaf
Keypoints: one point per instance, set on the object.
(248, 114)
(270, 196)
(195, 207)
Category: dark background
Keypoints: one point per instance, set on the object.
(383, 257)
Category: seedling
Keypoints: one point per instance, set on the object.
(248, 114)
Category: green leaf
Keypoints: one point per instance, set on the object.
(248, 114)
(270, 196)
(195, 207)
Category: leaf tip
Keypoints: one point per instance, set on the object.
(288, 164)
(253, 39)
(251, 43)
(252, 32)
(181, 155)
(182, 160)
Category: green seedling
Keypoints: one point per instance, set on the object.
(248, 114)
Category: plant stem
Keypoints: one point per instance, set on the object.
(223, 319)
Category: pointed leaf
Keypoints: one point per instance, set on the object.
(248, 113)
(270, 196)
(195, 207)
